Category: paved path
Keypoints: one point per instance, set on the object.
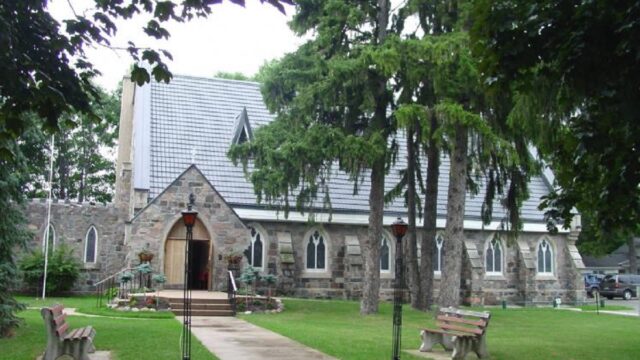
(230, 338)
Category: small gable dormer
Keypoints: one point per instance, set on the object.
(242, 130)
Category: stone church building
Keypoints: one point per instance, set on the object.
(173, 142)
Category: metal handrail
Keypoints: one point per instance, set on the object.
(232, 289)
(112, 281)
(112, 276)
(233, 282)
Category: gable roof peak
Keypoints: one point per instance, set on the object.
(242, 129)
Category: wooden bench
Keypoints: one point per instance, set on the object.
(459, 330)
(77, 343)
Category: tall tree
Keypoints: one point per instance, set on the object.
(333, 93)
(13, 230)
(573, 65)
(84, 146)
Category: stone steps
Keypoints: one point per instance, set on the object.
(202, 307)
(204, 312)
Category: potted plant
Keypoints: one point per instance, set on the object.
(270, 279)
(159, 279)
(233, 259)
(145, 255)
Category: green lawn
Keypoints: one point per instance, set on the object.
(69, 302)
(87, 305)
(607, 307)
(134, 339)
(336, 328)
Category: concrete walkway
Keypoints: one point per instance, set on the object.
(230, 338)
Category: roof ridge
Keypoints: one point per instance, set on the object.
(215, 79)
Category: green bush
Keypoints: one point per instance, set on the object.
(111, 293)
(62, 271)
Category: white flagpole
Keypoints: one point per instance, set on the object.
(48, 224)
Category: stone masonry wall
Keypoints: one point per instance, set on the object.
(71, 221)
(285, 248)
(152, 225)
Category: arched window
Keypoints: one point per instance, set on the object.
(90, 245)
(316, 249)
(493, 257)
(254, 252)
(545, 257)
(50, 234)
(438, 251)
(385, 255)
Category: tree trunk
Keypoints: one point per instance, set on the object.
(63, 166)
(633, 260)
(371, 246)
(81, 187)
(410, 244)
(454, 232)
(430, 217)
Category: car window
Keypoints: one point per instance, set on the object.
(623, 279)
(609, 279)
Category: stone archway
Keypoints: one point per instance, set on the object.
(201, 258)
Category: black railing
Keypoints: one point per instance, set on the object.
(120, 285)
(232, 290)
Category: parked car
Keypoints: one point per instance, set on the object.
(622, 285)
(592, 283)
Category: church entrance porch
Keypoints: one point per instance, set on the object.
(200, 260)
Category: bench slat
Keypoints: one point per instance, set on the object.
(73, 335)
(86, 332)
(446, 332)
(460, 328)
(479, 323)
(483, 315)
(62, 329)
(56, 310)
(59, 320)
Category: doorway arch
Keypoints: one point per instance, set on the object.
(201, 261)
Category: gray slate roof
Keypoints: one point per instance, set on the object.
(200, 114)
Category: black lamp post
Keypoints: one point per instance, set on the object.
(399, 228)
(189, 218)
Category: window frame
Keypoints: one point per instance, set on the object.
(259, 231)
(390, 254)
(95, 246)
(552, 266)
(52, 230)
(325, 240)
(491, 243)
(437, 270)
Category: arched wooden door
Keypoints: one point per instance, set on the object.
(201, 256)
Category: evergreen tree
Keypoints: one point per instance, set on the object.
(84, 148)
(573, 68)
(331, 97)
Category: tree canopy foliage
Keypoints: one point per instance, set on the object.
(84, 147)
(43, 65)
(573, 67)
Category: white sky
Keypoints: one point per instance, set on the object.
(232, 39)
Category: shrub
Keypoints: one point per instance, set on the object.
(62, 271)
(111, 293)
(13, 237)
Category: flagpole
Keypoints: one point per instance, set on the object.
(48, 224)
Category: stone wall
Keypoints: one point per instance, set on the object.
(152, 224)
(120, 239)
(71, 221)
